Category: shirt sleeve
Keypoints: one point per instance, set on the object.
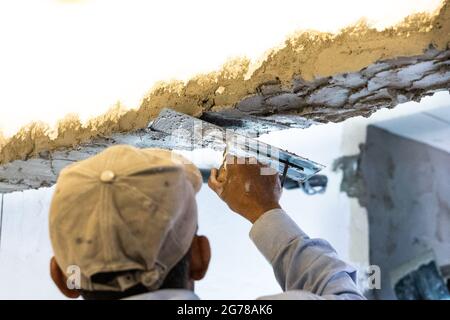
(305, 268)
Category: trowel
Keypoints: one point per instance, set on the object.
(200, 134)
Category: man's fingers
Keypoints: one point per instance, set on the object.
(235, 164)
(213, 183)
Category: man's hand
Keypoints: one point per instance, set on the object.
(244, 189)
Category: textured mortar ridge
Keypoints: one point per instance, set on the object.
(43, 170)
(321, 76)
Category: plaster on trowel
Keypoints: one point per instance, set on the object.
(200, 134)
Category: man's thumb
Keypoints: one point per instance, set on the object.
(213, 183)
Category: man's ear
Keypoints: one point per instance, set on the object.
(200, 257)
(60, 280)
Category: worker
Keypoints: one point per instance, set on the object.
(123, 224)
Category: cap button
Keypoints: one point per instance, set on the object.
(107, 176)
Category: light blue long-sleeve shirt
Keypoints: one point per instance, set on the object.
(305, 268)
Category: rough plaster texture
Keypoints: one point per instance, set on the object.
(406, 170)
(42, 170)
(315, 77)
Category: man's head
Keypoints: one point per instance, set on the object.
(127, 220)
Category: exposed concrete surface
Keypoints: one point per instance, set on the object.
(321, 76)
(42, 170)
(406, 171)
(384, 84)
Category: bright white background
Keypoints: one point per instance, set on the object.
(82, 57)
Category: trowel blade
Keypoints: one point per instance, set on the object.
(201, 134)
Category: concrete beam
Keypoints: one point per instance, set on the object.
(384, 84)
(42, 170)
(336, 98)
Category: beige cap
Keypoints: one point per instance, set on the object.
(125, 210)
